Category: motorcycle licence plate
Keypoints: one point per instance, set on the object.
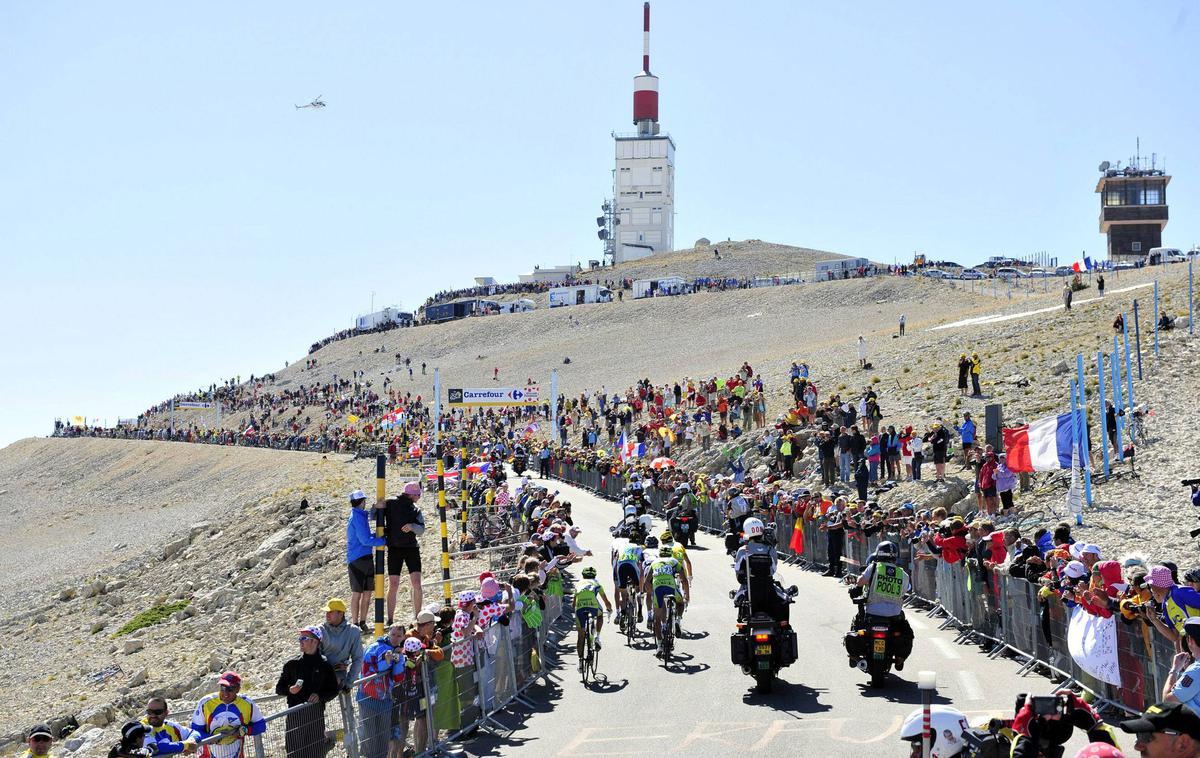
(880, 647)
(762, 649)
(764, 665)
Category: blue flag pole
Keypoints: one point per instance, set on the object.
(1077, 449)
(1128, 375)
(1104, 410)
(1116, 375)
(1156, 317)
(1086, 463)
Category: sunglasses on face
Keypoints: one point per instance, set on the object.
(156, 711)
(306, 638)
(227, 688)
(39, 738)
(1148, 737)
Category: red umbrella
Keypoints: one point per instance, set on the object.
(662, 462)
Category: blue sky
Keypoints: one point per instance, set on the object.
(170, 219)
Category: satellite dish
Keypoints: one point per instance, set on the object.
(600, 221)
(1105, 166)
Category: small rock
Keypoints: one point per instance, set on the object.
(98, 715)
(66, 593)
(176, 546)
(115, 585)
(133, 646)
(138, 679)
(98, 626)
(83, 740)
(1060, 368)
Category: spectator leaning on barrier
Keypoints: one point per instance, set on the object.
(1178, 603)
(230, 715)
(341, 643)
(360, 561)
(374, 697)
(1183, 682)
(310, 679)
(405, 523)
(39, 739)
(166, 736)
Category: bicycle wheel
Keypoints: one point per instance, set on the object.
(593, 652)
(588, 650)
(668, 632)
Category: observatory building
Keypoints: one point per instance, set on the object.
(1133, 208)
(641, 216)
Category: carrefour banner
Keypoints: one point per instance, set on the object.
(493, 396)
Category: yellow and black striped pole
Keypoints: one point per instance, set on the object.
(380, 554)
(440, 468)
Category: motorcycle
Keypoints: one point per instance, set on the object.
(762, 644)
(683, 526)
(871, 641)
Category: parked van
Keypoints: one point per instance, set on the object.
(1158, 255)
(1008, 272)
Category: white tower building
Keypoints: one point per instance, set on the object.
(644, 179)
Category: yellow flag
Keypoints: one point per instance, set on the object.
(352, 418)
(77, 420)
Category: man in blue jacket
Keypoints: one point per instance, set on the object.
(966, 433)
(360, 542)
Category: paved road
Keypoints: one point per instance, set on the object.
(705, 705)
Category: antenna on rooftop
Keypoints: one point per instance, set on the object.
(1105, 166)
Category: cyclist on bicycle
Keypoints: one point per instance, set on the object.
(627, 571)
(679, 553)
(665, 576)
(649, 555)
(587, 603)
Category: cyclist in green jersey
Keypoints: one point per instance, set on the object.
(664, 578)
(679, 553)
(588, 597)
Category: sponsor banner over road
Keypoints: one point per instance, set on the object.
(493, 396)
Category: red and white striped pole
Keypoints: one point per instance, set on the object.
(927, 683)
(646, 37)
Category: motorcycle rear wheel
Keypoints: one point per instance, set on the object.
(764, 680)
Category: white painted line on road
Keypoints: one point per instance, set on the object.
(996, 318)
(702, 732)
(970, 685)
(917, 624)
(586, 737)
(947, 650)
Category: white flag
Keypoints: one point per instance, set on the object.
(1092, 641)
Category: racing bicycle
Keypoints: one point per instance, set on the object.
(591, 653)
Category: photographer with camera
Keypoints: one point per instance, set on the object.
(1043, 724)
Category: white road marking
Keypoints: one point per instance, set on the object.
(970, 685)
(945, 648)
(996, 318)
(586, 737)
(917, 624)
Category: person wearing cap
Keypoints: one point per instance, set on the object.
(134, 736)
(1183, 681)
(382, 661)
(1036, 735)
(39, 739)
(341, 643)
(360, 561)
(1178, 603)
(307, 678)
(164, 736)
(966, 434)
(1165, 730)
(227, 714)
(405, 523)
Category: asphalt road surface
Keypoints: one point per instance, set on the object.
(704, 705)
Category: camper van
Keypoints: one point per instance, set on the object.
(579, 294)
(664, 285)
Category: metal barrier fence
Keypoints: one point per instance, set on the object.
(1001, 612)
(419, 704)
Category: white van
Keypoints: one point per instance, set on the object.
(1008, 272)
(1158, 255)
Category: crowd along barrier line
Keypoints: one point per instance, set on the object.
(984, 605)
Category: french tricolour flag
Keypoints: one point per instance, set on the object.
(1044, 445)
(1080, 267)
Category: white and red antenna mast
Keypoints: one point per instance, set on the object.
(645, 85)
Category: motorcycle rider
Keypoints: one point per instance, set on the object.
(737, 510)
(756, 549)
(885, 584)
(682, 505)
(628, 523)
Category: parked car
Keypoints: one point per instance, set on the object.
(1008, 272)
(1039, 273)
(934, 273)
(1064, 271)
(970, 273)
(1124, 266)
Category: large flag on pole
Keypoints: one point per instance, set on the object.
(796, 545)
(1044, 445)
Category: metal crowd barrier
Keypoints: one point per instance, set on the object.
(986, 606)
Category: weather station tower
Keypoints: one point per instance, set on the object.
(1133, 206)
(642, 211)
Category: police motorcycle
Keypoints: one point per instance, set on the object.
(764, 641)
(682, 517)
(520, 460)
(877, 642)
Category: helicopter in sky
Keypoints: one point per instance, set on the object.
(316, 103)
